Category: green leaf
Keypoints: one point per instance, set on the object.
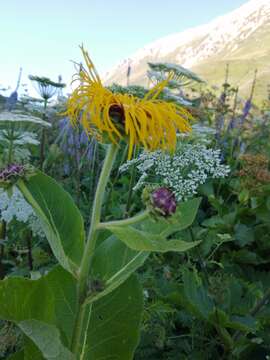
(243, 196)
(244, 235)
(113, 331)
(17, 356)
(245, 256)
(182, 219)
(51, 302)
(50, 299)
(59, 216)
(22, 299)
(113, 263)
(31, 302)
(207, 189)
(63, 287)
(31, 351)
(242, 323)
(196, 295)
(47, 339)
(268, 202)
(143, 241)
(21, 118)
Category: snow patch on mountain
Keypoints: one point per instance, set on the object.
(194, 45)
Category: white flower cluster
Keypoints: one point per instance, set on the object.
(189, 167)
(14, 206)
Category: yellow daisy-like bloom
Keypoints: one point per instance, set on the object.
(150, 122)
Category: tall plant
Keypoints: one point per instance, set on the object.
(46, 89)
(89, 306)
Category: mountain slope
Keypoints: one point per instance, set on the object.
(241, 38)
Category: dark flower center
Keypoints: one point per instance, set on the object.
(117, 113)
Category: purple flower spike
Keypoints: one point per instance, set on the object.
(164, 201)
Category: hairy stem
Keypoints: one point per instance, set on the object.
(90, 248)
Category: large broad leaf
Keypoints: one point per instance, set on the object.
(48, 306)
(114, 323)
(113, 263)
(32, 305)
(183, 218)
(20, 118)
(142, 241)
(22, 299)
(59, 216)
(63, 287)
(31, 351)
(47, 339)
(113, 332)
(17, 356)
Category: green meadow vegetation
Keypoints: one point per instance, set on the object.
(134, 223)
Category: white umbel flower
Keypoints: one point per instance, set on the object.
(189, 167)
(14, 207)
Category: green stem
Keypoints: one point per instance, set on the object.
(115, 178)
(3, 230)
(43, 137)
(130, 221)
(77, 168)
(131, 184)
(90, 248)
(11, 145)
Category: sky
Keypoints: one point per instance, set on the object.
(43, 37)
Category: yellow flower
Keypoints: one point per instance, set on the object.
(150, 122)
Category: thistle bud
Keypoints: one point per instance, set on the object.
(163, 200)
(11, 173)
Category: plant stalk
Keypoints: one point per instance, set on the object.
(125, 222)
(29, 249)
(2, 247)
(83, 280)
(11, 145)
(43, 137)
(131, 184)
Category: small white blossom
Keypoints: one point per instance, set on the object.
(189, 167)
(14, 206)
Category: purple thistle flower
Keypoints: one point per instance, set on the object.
(164, 201)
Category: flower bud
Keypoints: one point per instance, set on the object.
(10, 171)
(10, 174)
(163, 200)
